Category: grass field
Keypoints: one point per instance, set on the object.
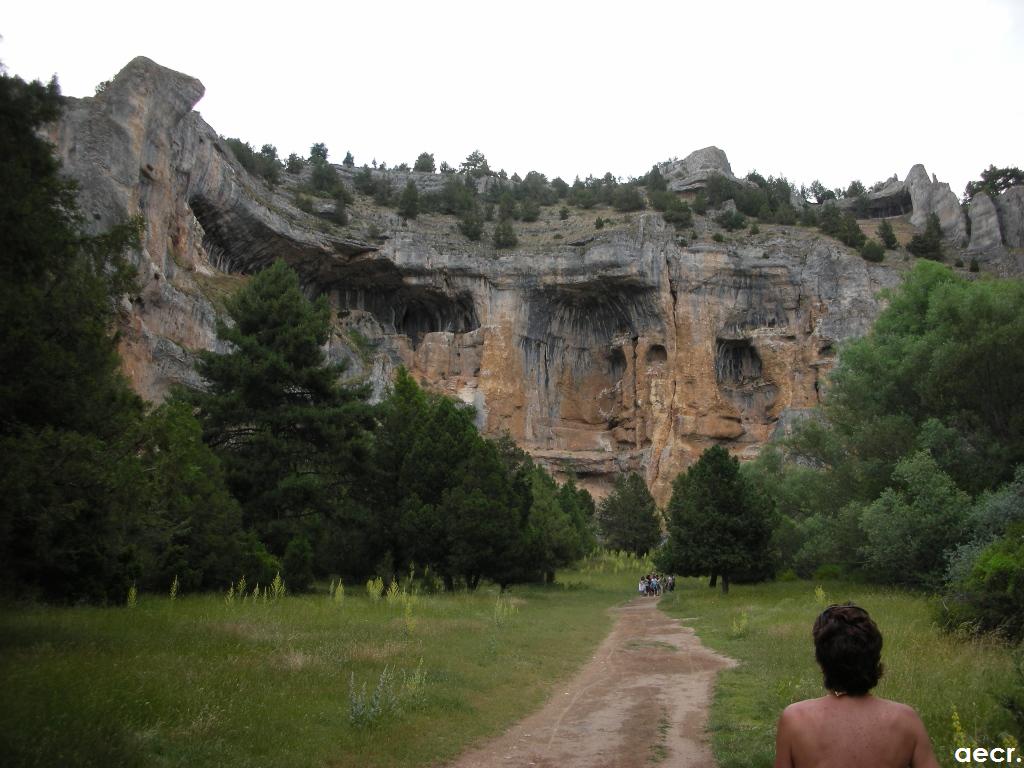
(767, 628)
(200, 682)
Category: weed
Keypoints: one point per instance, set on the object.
(820, 595)
(338, 592)
(740, 624)
(174, 588)
(133, 596)
(504, 609)
(390, 696)
(229, 598)
(374, 588)
(277, 587)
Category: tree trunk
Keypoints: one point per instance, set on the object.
(714, 581)
(725, 584)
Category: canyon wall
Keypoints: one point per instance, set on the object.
(630, 348)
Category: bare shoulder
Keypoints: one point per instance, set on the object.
(800, 709)
(902, 713)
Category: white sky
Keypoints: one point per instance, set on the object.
(809, 89)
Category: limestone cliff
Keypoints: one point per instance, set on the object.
(626, 348)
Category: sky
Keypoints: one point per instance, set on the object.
(809, 90)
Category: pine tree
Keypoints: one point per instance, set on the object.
(717, 526)
(886, 235)
(505, 235)
(628, 518)
(409, 201)
(291, 438)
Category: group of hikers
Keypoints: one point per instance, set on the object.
(653, 584)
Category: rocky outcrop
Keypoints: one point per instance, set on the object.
(622, 350)
(985, 234)
(928, 196)
(1010, 205)
(692, 172)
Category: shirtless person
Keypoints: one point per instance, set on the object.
(848, 727)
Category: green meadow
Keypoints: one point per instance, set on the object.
(317, 679)
(767, 628)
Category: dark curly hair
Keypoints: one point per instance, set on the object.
(848, 647)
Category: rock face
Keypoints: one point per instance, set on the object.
(622, 351)
(985, 234)
(929, 195)
(1010, 205)
(692, 172)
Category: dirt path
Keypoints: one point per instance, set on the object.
(641, 700)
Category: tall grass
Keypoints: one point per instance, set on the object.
(350, 679)
(767, 628)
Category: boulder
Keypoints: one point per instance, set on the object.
(929, 195)
(692, 172)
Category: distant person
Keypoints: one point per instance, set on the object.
(848, 727)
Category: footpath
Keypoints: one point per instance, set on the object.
(641, 700)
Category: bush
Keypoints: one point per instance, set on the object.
(887, 235)
(294, 164)
(700, 203)
(872, 250)
(298, 564)
(471, 225)
(598, 223)
(504, 235)
(678, 214)
(529, 210)
(563, 213)
(928, 245)
(718, 237)
(754, 229)
(731, 220)
(303, 202)
(324, 178)
(424, 163)
(409, 201)
(627, 198)
(974, 265)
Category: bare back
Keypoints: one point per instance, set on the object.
(850, 732)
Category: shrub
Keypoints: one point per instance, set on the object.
(298, 564)
(928, 245)
(731, 220)
(718, 237)
(563, 213)
(504, 235)
(303, 202)
(887, 235)
(974, 265)
(409, 201)
(424, 163)
(754, 229)
(678, 214)
(700, 203)
(349, 161)
(294, 164)
(471, 225)
(598, 223)
(340, 215)
(318, 152)
(872, 250)
(627, 198)
(529, 210)
(324, 178)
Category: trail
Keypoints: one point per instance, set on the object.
(641, 700)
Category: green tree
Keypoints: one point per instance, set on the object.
(887, 235)
(872, 250)
(324, 178)
(290, 437)
(424, 163)
(655, 181)
(994, 181)
(475, 164)
(856, 189)
(628, 518)
(294, 164)
(471, 225)
(928, 244)
(504, 235)
(913, 525)
(349, 161)
(318, 153)
(68, 419)
(717, 525)
(409, 201)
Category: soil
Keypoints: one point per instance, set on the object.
(641, 700)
